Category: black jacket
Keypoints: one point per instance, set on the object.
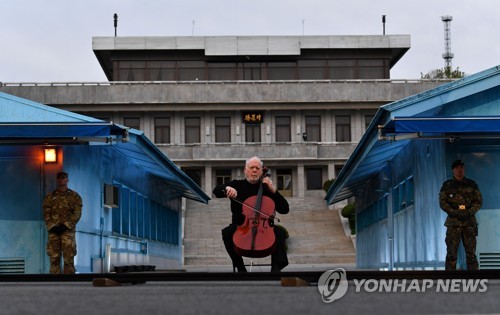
(245, 190)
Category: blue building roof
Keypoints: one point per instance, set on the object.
(26, 122)
(398, 123)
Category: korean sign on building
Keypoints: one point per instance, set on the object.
(253, 117)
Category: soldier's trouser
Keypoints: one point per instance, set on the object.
(65, 245)
(468, 236)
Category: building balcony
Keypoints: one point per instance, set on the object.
(224, 152)
(217, 95)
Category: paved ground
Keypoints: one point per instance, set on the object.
(231, 297)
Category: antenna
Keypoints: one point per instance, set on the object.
(192, 30)
(115, 16)
(447, 56)
(303, 21)
(383, 24)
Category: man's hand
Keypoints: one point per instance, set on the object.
(267, 181)
(231, 192)
(461, 215)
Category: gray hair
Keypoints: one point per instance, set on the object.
(254, 158)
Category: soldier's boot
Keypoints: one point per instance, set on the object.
(472, 266)
(472, 263)
(450, 264)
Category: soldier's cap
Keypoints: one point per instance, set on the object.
(62, 175)
(457, 163)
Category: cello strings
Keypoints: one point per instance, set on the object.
(258, 211)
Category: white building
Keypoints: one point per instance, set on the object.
(301, 103)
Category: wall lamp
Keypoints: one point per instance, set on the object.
(50, 155)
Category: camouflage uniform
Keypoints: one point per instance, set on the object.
(460, 200)
(62, 211)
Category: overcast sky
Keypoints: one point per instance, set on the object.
(51, 40)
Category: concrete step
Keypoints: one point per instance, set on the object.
(295, 203)
(310, 259)
(294, 245)
(316, 234)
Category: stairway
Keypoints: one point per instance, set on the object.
(316, 234)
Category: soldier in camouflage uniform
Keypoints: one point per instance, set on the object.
(460, 198)
(62, 210)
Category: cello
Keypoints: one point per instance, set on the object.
(255, 237)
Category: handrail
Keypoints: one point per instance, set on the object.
(236, 82)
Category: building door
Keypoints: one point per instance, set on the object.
(22, 229)
(285, 182)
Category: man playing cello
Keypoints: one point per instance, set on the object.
(238, 191)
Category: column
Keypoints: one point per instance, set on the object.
(208, 180)
(301, 179)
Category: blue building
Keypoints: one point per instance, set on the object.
(132, 193)
(395, 173)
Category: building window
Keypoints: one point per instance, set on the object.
(281, 70)
(194, 174)
(133, 213)
(140, 217)
(311, 69)
(161, 70)
(342, 69)
(162, 130)
(372, 214)
(222, 129)
(193, 130)
(222, 176)
(368, 120)
(154, 221)
(371, 68)
(284, 177)
(343, 128)
(249, 71)
(403, 194)
(314, 68)
(161, 224)
(252, 132)
(131, 70)
(338, 168)
(313, 128)
(147, 218)
(221, 71)
(283, 129)
(125, 211)
(191, 70)
(116, 216)
(314, 178)
(132, 122)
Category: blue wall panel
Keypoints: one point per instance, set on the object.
(412, 236)
(22, 230)
(89, 168)
(481, 164)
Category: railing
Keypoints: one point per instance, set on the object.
(269, 151)
(232, 82)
